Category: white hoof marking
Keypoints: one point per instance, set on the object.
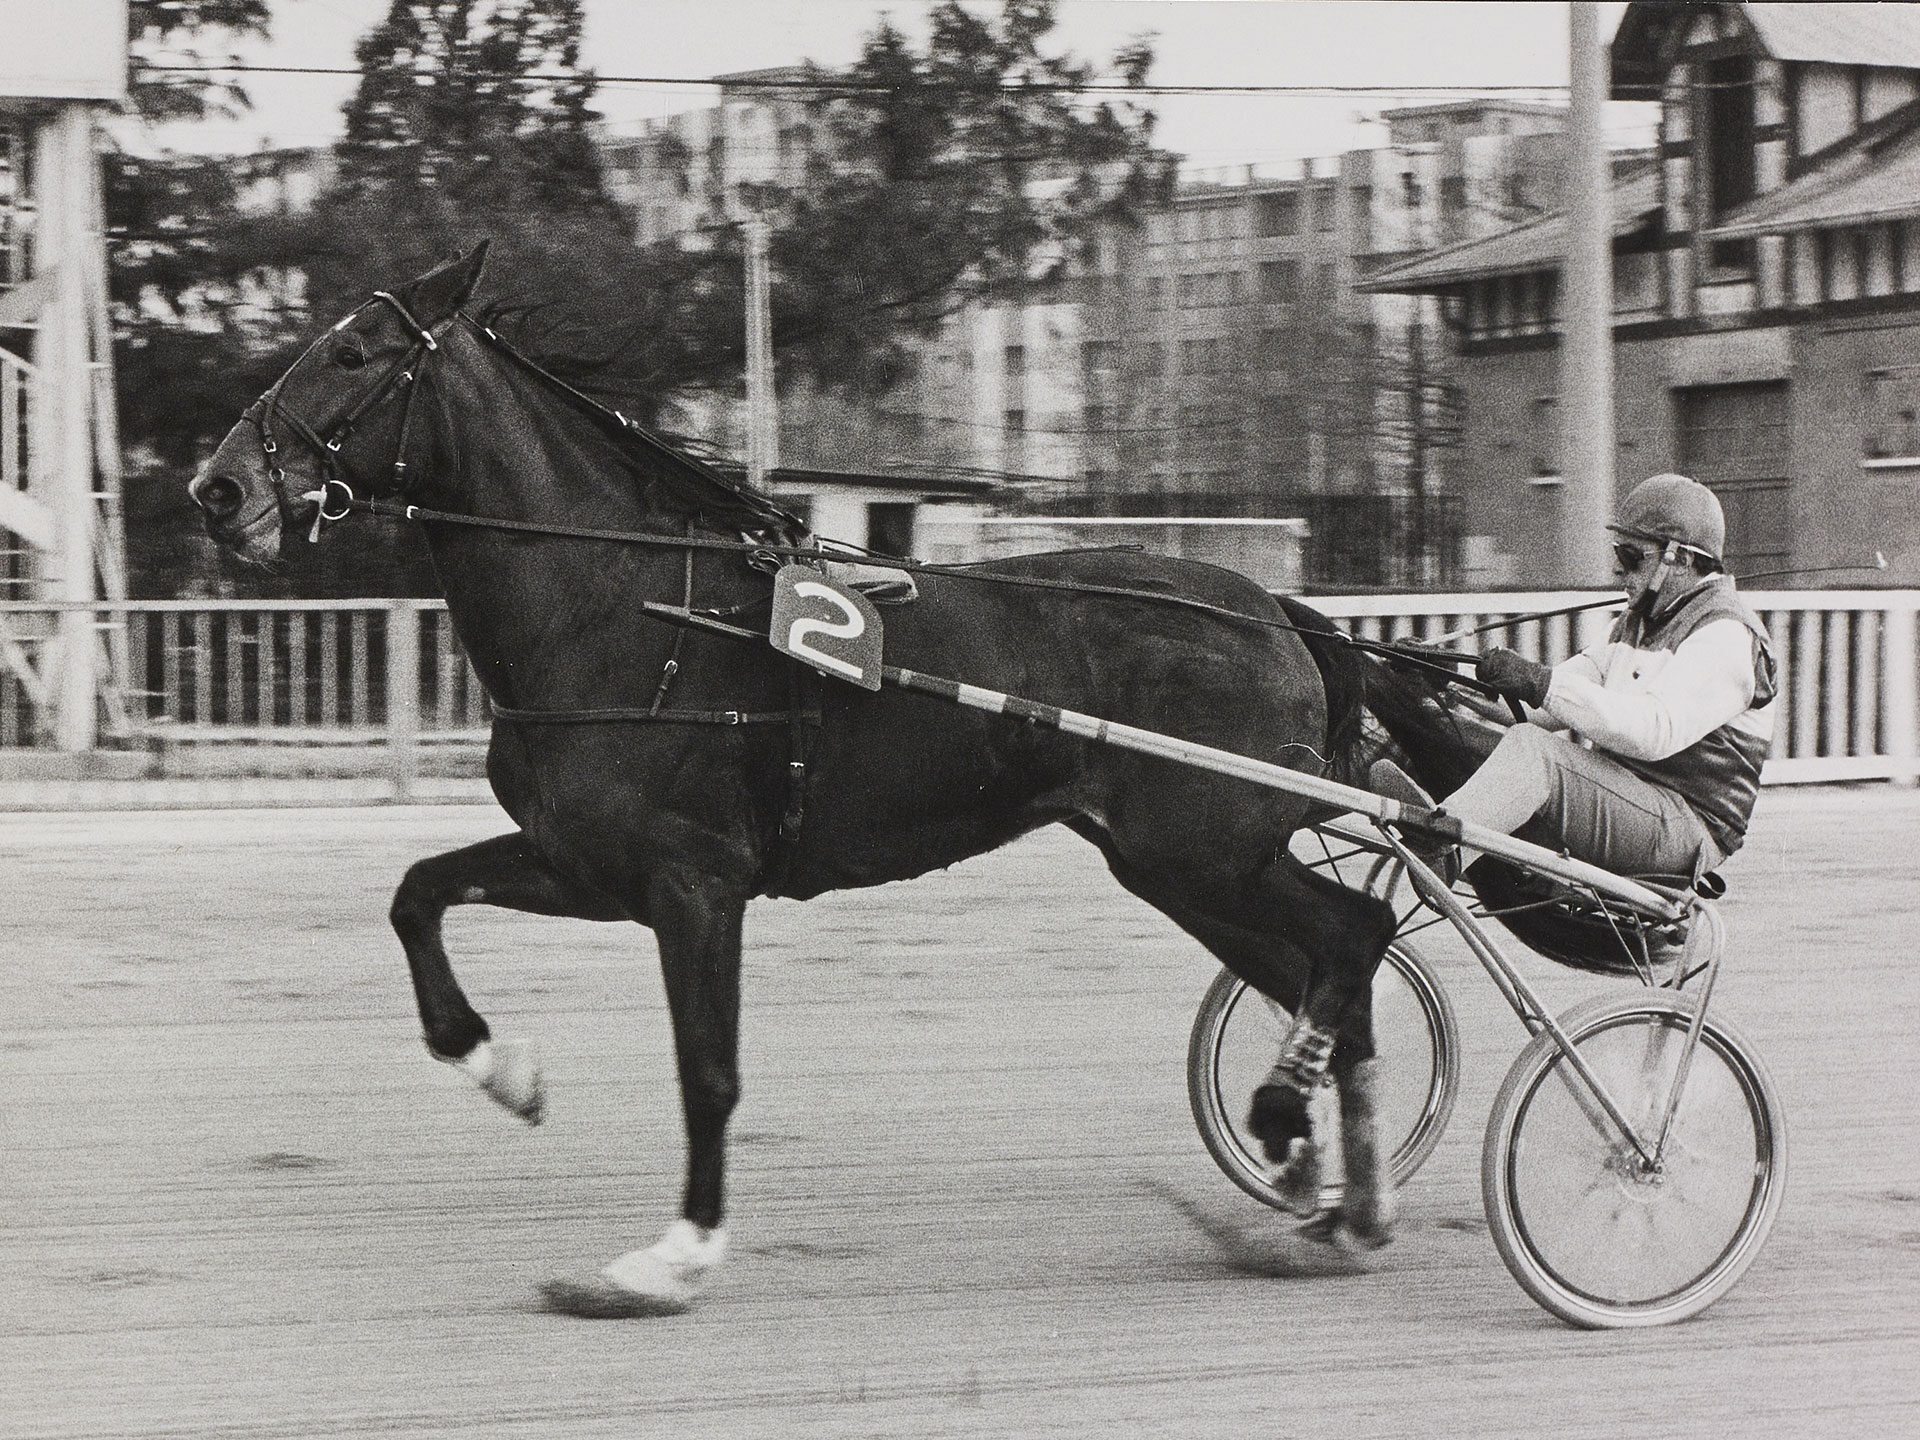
(664, 1279)
(509, 1071)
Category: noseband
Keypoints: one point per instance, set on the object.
(265, 411)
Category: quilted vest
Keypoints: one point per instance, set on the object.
(1719, 774)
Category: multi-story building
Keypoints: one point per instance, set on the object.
(1216, 361)
(1766, 313)
(679, 176)
(1229, 368)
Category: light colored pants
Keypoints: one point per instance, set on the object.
(1588, 804)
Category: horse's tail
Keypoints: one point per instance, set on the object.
(1343, 674)
(1438, 741)
(1421, 731)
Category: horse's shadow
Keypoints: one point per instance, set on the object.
(1268, 1247)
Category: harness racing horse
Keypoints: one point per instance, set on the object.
(667, 775)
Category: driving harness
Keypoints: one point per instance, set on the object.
(335, 501)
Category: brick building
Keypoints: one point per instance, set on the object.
(1766, 297)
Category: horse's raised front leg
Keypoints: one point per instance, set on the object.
(697, 920)
(506, 871)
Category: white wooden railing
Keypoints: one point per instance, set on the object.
(390, 673)
(1847, 665)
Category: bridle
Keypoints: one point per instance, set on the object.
(403, 372)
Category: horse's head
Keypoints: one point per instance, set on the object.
(335, 424)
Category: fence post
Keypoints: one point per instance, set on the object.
(403, 695)
(1902, 695)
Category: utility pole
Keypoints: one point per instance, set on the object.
(1586, 341)
(763, 421)
(1417, 403)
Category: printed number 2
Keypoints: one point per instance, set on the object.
(851, 628)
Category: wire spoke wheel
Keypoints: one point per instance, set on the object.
(1237, 1034)
(1589, 1229)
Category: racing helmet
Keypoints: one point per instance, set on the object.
(1674, 509)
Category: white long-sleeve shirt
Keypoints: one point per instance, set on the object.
(1650, 704)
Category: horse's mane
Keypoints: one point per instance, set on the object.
(597, 362)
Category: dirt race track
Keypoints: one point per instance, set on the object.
(239, 1200)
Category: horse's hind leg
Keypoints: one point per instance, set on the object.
(1312, 945)
(506, 871)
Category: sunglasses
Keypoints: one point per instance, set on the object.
(1629, 557)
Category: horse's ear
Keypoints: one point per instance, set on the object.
(444, 289)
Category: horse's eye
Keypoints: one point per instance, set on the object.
(349, 357)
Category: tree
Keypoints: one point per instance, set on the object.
(175, 360)
(935, 177)
(474, 105)
(967, 173)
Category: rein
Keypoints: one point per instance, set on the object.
(335, 500)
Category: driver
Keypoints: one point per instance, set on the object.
(1643, 753)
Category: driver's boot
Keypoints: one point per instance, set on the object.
(1390, 782)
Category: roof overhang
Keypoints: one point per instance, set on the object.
(1537, 245)
(1867, 185)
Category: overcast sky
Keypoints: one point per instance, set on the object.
(1199, 42)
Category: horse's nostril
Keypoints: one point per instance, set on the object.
(218, 495)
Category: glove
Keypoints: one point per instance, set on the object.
(1515, 676)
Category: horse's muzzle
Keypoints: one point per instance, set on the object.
(220, 497)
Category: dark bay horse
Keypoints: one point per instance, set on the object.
(668, 775)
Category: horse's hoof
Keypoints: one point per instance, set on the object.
(513, 1080)
(1322, 1227)
(1279, 1118)
(1297, 1183)
(1336, 1228)
(1362, 1237)
(663, 1280)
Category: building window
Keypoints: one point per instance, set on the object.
(1546, 439)
(1326, 284)
(890, 527)
(1280, 213)
(1726, 110)
(1453, 207)
(1892, 423)
(1279, 281)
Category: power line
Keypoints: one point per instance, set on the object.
(750, 83)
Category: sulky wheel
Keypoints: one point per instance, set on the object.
(1588, 1230)
(1237, 1034)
